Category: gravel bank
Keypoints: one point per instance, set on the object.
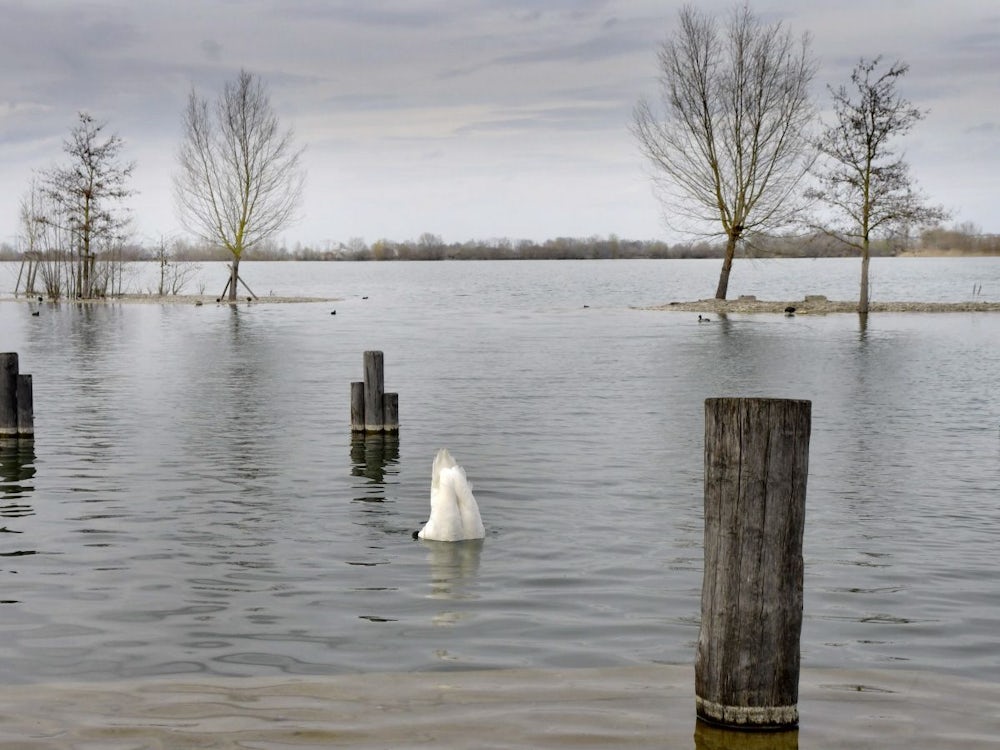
(816, 304)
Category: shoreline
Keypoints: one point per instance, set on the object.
(812, 304)
(644, 706)
(171, 299)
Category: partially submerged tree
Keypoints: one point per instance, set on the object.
(863, 179)
(83, 197)
(732, 142)
(240, 180)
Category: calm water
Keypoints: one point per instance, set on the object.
(194, 503)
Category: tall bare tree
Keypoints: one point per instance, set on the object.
(864, 181)
(732, 142)
(84, 195)
(240, 179)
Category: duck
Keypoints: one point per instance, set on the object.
(454, 510)
(790, 311)
(704, 320)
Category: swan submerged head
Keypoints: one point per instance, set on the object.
(454, 511)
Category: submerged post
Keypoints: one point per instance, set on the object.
(756, 465)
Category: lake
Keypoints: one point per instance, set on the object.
(194, 503)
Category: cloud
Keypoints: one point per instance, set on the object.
(405, 96)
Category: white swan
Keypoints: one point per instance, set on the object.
(454, 511)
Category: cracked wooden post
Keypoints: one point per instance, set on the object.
(25, 408)
(390, 412)
(374, 380)
(358, 406)
(756, 465)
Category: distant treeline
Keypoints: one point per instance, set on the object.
(961, 240)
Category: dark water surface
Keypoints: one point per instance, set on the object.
(194, 502)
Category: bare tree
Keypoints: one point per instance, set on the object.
(174, 272)
(864, 181)
(240, 179)
(83, 196)
(732, 143)
(46, 243)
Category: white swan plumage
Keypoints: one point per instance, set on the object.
(454, 510)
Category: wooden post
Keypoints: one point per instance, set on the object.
(358, 406)
(25, 408)
(374, 414)
(390, 412)
(756, 465)
(373, 410)
(8, 395)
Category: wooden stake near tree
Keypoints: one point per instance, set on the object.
(756, 465)
(234, 273)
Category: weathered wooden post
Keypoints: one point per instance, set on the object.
(8, 395)
(756, 465)
(390, 412)
(372, 409)
(373, 391)
(17, 415)
(358, 406)
(25, 408)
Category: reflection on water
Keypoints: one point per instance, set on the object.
(375, 457)
(454, 567)
(708, 737)
(17, 468)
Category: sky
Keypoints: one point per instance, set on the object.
(468, 119)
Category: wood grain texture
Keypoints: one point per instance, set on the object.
(373, 391)
(756, 466)
(358, 406)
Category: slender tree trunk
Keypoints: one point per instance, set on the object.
(85, 283)
(234, 278)
(727, 265)
(863, 301)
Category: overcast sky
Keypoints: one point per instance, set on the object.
(470, 119)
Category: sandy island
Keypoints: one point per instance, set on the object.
(817, 304)
(178, 299)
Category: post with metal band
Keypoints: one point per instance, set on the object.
(756, 465)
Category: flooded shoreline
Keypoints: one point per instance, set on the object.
(629, 707)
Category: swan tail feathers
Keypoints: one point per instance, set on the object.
(442, 460)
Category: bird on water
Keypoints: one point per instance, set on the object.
(704, 320)
(454, 510)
